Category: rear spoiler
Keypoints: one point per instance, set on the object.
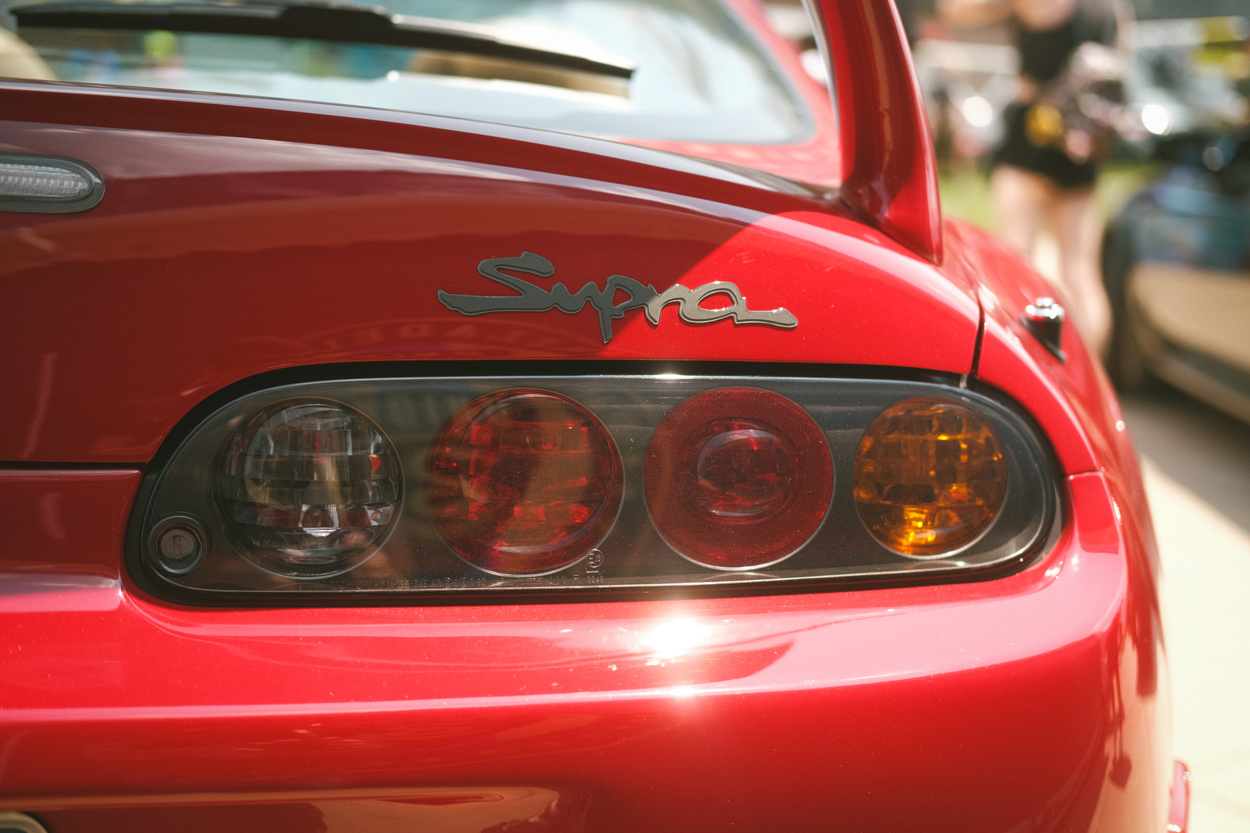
(890, 172)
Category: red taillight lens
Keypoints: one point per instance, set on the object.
(308, 488)
(523, 482)
(738, 478)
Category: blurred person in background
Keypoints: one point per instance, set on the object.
(1060, 124)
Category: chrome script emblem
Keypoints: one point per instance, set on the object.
(534, 298)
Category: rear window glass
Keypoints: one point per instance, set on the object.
(699, 74)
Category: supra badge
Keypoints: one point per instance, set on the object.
(534, 298)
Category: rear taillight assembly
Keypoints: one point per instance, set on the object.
(405, 489)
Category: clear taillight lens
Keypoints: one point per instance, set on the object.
(523, 482)
(308, 488)
(405, 488)
(738, 478)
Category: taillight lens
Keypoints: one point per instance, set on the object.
(930, 477)
(738, 478)
(308, 488)
(523, 482)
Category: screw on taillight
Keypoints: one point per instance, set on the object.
(738, 478)
(178, 544)
(523, 482)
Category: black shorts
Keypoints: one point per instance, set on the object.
(1052, 163)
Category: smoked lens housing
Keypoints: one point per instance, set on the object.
(394, 490)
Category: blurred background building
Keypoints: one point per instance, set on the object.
(1189, 58)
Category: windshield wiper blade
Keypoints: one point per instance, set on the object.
(343, 23)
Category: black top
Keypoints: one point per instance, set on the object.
(1044, 53)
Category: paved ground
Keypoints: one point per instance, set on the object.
(1197, 468)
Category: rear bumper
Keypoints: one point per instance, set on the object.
(1034, 701)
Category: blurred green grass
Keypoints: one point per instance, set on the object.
(966, 193)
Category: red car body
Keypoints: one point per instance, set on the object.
(242, 237)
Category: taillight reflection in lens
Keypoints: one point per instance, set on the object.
(524, 482)
(930, 477)
(308, 488)
(738, 478)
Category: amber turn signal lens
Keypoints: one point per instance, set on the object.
(930, 477)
